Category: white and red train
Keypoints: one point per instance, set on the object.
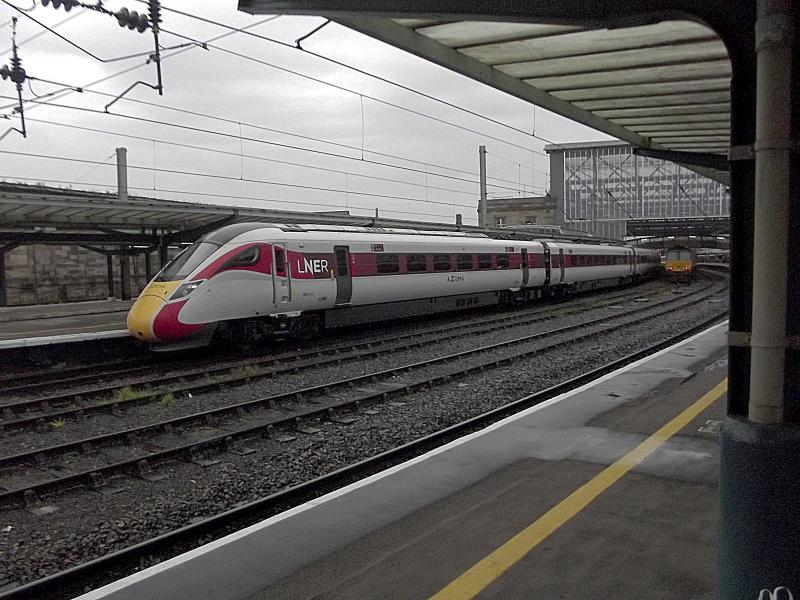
(249, 280)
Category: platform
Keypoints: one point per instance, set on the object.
(22, 326)
(609, 491)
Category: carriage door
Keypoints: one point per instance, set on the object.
(344, 283)
(546, 264)
(632, 258)
(524, 267)
(281, 279)
(561, 262)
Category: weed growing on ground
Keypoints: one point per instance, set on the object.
(57, 423)
(247, 371)
(167, 399)
(125, 393)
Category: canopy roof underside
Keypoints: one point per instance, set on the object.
(667, 82)
(662, 85)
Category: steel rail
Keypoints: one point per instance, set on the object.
(110, 388)
(94, 477)
(77, 397)
(115, 565)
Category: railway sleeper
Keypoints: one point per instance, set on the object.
(302, 427)
(277, 435)
(197, 457)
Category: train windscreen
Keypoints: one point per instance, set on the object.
(678, 254)
(186, 262)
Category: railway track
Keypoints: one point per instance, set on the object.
(92, 573)
(282, 417)
(20, 385)
(38, 412)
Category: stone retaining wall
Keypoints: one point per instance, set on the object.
(44, 274)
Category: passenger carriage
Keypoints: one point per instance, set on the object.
(249, 280)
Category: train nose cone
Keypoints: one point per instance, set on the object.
(141, 317)
(146, 308)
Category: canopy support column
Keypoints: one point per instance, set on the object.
(760, 473)
(110, 274)
(125, 276)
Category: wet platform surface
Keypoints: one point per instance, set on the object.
(55, 323)
(608, 492)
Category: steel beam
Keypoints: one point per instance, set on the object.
(55, 237)
(695, 159)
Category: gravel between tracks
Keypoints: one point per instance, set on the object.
(87, 525)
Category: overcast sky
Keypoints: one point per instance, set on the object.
(233, 90)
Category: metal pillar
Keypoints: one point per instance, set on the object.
(760, 472)
(122, 173)
(148, 266)
(125, 276)
(483, 211)
(110, 274)
(3, 294)
(163, 253)
(772, 151)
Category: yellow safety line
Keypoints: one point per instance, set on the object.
(483, 573)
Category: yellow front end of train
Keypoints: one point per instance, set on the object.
(680, 264)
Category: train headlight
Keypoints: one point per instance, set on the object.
(185, 290)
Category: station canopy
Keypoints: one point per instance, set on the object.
(33, 214)
(663, 86)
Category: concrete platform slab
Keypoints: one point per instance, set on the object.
(24, 326)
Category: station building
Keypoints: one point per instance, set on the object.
(532, 210)
(598, 187)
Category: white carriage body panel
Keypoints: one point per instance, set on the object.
(238, 294)
(229, 295)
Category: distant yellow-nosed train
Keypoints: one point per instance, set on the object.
(680, 263)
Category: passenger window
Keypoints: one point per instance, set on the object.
(502, 261)
(388, 263)
(246, 258)
(441, 262)
(416, 263)
(484, 261)
(464, 262)
(280, 261)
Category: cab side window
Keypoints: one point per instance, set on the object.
(246, 258)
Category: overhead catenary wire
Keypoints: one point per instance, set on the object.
(41, 33)
(413, 111)
(69, 90)
(358, 70)
(95, 167)
(292, 134)
(242, 154)
(54, 32)
(255, 140)
(244, 30)
(232, 178)
(11, 178)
